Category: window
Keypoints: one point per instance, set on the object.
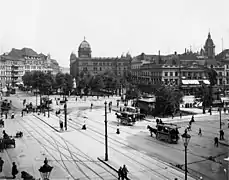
(184, 73)
(166, 73)
(171, 73)
(100, 69)
(220, 74)
(176, 73)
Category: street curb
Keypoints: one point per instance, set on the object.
(110, 166)
(224, 144)
(107, 164)
(46, 123)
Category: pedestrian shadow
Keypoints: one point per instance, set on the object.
(5, 177)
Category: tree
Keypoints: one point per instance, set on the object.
(212, 74)
(168, 100)
(27, 79)
(64, 82)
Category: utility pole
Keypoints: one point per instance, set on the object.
(48, 104)
(186, 169)
(65, 113)
(220, 123)
(106, 146)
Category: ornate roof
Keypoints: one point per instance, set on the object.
(209, 41)
(85, 46)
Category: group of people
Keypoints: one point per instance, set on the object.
(221, 137)
(122, 172)
(14, 170)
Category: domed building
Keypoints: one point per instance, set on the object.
(84, 50)
(96, 65)
(209, 47)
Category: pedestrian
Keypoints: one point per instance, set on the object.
(1, 164)
(120, 174)
(22, 113)
(61, 124)
(91, 106)
(12, 115)
(180, 115)
(6, 115)
(221, 135)
(216, 141)
(124, 171)
(200, 132)
(172, 116)
(14, 170)
(210, 110)
(192, 119)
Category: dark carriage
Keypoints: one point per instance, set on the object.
(7, 142)
(1, 123)
(126, 118)
(165, 132)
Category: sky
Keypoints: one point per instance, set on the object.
(112, 27)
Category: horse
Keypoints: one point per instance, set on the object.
(118, 115)
(152, 130)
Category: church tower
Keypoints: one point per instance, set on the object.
(209, 47)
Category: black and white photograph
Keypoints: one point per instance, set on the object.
(114, 90)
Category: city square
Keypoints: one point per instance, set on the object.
(127, 90)
(145, 156)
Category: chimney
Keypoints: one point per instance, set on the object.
(185, 50)
(175, 53)
(159, 53)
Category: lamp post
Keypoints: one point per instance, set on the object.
(220, 123)
(106, 148)
(186, 137)
(65, 113)
(45, 171)
(48, 104)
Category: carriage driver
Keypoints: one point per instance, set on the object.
(5, 135)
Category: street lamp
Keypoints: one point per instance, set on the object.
(65, 113)
(186, 137)
(106, 148)
(48, 104)
(45, 171)
(220, 123)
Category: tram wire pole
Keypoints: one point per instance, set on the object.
(106, 145)
(220, 119)
(48, 104)
(65, 112)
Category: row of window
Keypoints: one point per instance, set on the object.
(103, 64)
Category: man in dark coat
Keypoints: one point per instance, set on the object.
(14, 170)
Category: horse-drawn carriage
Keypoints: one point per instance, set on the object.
(1, 123)
(166, 132)
(7, 142)
(126, 118)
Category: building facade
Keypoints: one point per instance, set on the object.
(17, 62)
(187, 70)
(97, 65)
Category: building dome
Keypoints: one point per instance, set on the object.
(84, 45)
(84, 50)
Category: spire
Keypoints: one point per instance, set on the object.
(84, 38)
(209, 34)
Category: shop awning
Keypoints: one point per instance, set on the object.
(190, 82)
(206, 81)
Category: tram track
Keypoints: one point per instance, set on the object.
(60, 147)
(134, 151)
(148, 139)
(204, 158)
